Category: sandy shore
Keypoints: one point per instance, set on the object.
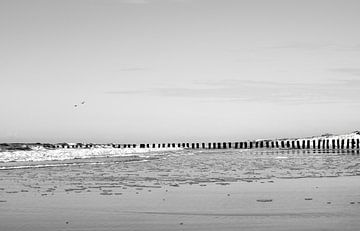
(278, 204)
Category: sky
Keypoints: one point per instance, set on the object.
(177, 70)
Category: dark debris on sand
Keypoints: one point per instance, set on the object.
(264, 200)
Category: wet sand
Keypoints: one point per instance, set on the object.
(281, 204)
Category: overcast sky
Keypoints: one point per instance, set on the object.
(177, 70)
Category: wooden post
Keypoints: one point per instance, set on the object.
(261, 144)
(288, 144)
(298, 146)
(236, 145)
(224, 145)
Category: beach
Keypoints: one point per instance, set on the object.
(174, 115)
(186, 190)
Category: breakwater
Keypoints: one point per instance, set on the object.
(350, 141)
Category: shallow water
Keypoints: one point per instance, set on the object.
(174, 168)
(184, 189)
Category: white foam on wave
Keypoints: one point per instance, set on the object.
(68, 154)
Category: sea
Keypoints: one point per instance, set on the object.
(151, 167)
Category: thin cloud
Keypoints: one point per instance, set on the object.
(261, 91)
(127, 92)
(134, 69)
(347, 70)
(149, 1)
(139, 2)
(303, 46)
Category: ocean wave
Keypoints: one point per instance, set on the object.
(78, 162)
(71, 154)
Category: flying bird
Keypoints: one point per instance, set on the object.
(79, 104)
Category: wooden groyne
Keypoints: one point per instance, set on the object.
(324, 143)
(329, 142)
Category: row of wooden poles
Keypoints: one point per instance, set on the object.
(290, 144)
(294, 144)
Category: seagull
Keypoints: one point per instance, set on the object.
(79, 104)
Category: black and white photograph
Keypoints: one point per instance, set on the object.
(179, 115)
